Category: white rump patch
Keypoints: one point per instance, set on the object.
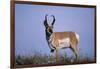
(64, 43)
(77, 36)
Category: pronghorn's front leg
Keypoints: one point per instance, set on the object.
(57, 55)
(54, 56)
(51, 57)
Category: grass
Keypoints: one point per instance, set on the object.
(45, 59)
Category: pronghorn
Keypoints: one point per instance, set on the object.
(60, 40)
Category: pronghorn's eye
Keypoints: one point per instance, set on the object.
(50, 30)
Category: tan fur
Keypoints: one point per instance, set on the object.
(61, 35)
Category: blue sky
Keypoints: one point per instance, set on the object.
(30, 30)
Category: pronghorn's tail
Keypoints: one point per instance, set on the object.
(77, 36)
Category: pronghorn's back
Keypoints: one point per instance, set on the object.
(71, 37)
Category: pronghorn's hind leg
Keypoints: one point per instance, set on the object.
(75, 51)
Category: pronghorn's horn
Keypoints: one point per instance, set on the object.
(46, 17)
(45, 21)
(53, 19)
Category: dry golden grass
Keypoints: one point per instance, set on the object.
(44, 59)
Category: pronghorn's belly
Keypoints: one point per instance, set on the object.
(64, 43)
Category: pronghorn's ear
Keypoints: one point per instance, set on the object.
(45, 21)
(53, 20)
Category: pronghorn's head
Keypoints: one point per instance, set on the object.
(49, 28)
